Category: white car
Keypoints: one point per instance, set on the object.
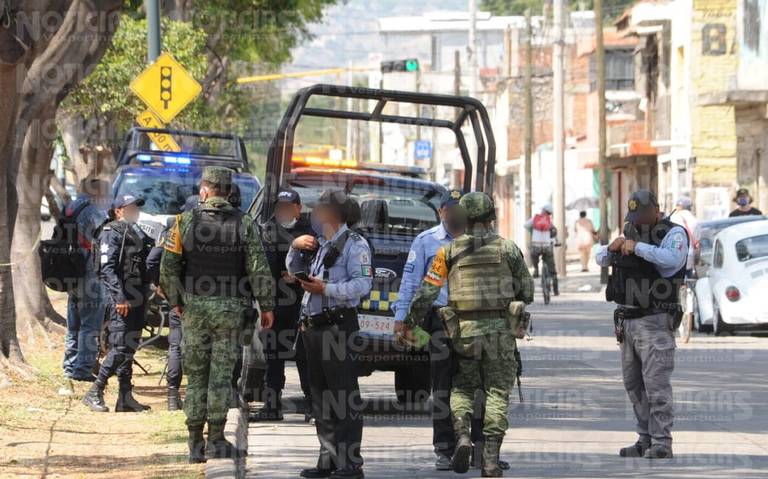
(734, 294)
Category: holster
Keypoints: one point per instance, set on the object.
(618, 324)
(450, 322)
(519, 319)
(677, 316)
(249, 324)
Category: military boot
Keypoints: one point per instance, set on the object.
(196, 443)
(272, 409)
(463, 451)
(127, 403)
(174, 399)
(218, 447)
(491, 466)
(658, 451)
(635, 450)
(94, 398)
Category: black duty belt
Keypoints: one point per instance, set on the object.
(328, 317)
(478, 315)
(635, 313)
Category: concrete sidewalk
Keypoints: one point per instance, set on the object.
(575, 415)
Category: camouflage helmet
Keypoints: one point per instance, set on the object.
(479, 206)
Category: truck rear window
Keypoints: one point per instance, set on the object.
(166, 194)
(383, 209)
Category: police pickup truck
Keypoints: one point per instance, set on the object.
(165, 179)
(396, 204)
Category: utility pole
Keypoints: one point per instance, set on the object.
(153, 29)
(457, 73)
(472, 48)
(559, 133)
(527, 187)
(601, 158)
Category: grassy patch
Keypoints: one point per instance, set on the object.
(43, 433)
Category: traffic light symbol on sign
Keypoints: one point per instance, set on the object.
(166, 92)
(166, 87)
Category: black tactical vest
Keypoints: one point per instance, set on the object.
(636, 282)
(132, 270)
(214, 253)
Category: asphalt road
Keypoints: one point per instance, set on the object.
(575, 415)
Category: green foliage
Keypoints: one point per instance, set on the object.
(257, 30)
(104, 94)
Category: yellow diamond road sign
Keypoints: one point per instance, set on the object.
(163, 141)
(166, 87)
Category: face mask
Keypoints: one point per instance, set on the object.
(455, 223)
(317, 226)
(743, 201)
(289, 224)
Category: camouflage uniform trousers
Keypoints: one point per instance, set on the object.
(211, 328)
(485, 362)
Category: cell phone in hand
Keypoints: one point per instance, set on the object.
(302, 275)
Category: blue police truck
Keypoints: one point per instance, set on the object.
(396, 202)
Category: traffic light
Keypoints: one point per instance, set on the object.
(407, 65)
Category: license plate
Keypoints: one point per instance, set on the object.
(371, 324)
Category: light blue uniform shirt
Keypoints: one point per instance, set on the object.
(669, 257)
(349, 279)
(423, 250)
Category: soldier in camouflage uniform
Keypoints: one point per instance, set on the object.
(485, 274)
(212, 267)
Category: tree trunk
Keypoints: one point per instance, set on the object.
(31, 94)
(31, 297)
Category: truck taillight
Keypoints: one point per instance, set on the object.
(732, 293)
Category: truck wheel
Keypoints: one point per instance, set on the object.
(412, 384)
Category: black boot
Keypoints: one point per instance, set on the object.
(555, 287)
(127, 403)
(196, 443)
(218, 447)
(491, 467)
(272, 409)
(463, 451)
(174, 399)
(94, 398)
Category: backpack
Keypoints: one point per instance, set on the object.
(542, 222)
(61, 262)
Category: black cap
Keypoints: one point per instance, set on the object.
(287, 195)
(450, 198)
(121, 201)
(639, 202)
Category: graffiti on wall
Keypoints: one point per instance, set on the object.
(752, 26)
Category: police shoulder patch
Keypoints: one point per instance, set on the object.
(438, 271)
(173, 240)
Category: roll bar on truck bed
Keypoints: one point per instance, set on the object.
(470, 111)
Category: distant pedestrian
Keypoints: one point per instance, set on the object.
(86, 302)
(585, 238)
(744, 201)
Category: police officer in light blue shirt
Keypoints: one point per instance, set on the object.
(423, 250)
(335, 272)
(649, 264)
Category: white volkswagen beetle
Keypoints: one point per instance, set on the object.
(734, 295)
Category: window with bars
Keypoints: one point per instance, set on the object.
(619, 70)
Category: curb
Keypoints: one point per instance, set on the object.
(236, 432)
